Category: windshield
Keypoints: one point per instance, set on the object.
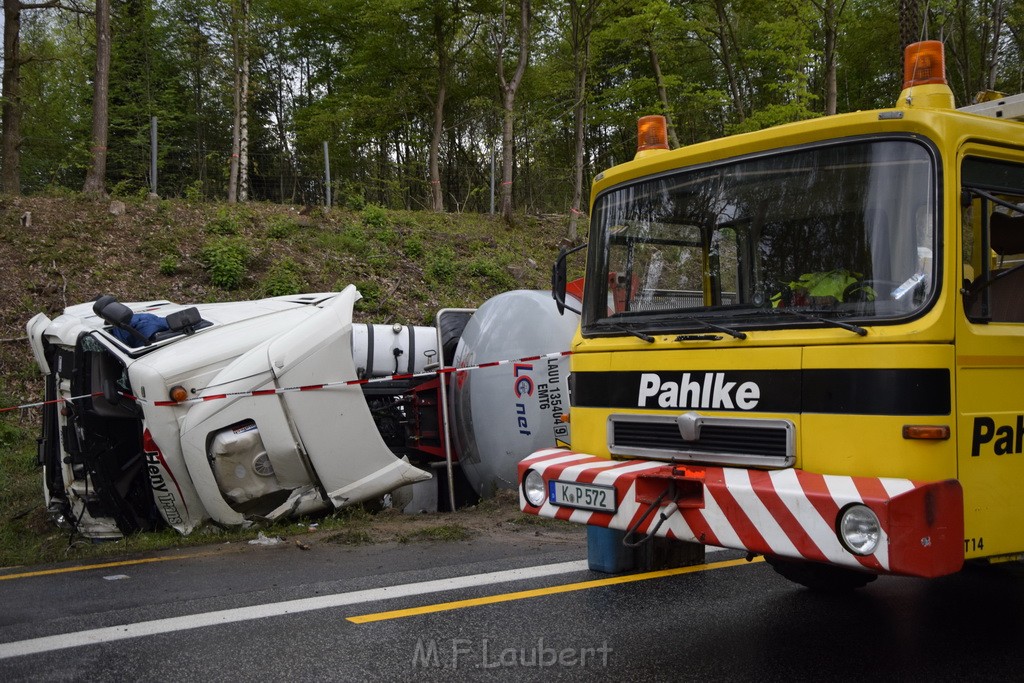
(842, 231)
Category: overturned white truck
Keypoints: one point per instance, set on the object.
(163, 414)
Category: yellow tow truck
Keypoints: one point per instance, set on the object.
(807, 342)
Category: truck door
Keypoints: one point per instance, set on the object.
(990, 349)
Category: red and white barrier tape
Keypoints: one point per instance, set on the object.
(308, 387)
(50, 402)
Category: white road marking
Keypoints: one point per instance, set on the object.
(191, 621)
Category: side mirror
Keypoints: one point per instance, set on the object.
(560, 278)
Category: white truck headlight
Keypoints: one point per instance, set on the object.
(859, 529)
(533, 488)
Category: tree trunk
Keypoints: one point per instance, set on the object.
(508, 100)
(10, 147)
(436, 196)
(243, 112)
(992, 56)
(725, 40)
(831, 35)
(95, 177)
(440, 47)
(911, 24)
(582, 22)
(10, 176)
(659, 79)
(580, 127)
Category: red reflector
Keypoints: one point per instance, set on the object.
(148, 445)
(927, 432)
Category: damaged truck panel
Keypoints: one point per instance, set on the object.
(161, 414)
(115, 449)
(271, 455)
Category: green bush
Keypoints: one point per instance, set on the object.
(226, 222)
(485, 268)
(413, 247)
(284, 277)
(375, 216)
(441, 266)
(281, 226)
(372, 296)
(194, 192)
(169, 265)
(351, 196)
(352, 240)
(225, 259)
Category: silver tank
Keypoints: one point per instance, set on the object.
(503, 414)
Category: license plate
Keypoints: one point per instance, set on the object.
(582, 496)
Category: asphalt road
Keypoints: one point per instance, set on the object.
(515, 607)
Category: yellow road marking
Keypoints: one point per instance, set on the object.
(87, 567)
(537, 592)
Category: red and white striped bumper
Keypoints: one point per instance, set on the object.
(787, 513)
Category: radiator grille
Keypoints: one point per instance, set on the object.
(740, 441)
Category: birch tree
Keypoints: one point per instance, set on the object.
(503, 37)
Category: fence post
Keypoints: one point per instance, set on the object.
(327, 177)
(152, 158)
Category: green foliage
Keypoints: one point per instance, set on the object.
(721, 67)
(225, 259)
(226, 221)
(413, 247)
(375, 216)
(281, 226)
(128, 189)
(441, 265)
(372, 297)
(284, 277)
(169, 265)
(352, 240)
(11, 435)
(352, 196)
(194, 192)
(499, 277)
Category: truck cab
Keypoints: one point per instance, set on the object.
(803, 342)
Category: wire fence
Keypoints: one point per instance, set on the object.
(52, 163)
(298, 177)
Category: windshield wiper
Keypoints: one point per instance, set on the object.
(712, 326)
(636, 333)
(671, 319)
(820, 319)
(675, 321)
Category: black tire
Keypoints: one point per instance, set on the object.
(822, 578)
(452, 325)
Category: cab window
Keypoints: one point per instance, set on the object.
(993, 240)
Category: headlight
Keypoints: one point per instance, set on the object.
(859, 529)
(533, 488)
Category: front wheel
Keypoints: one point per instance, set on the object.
(824, 578)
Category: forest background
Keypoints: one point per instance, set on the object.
(420, 103)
